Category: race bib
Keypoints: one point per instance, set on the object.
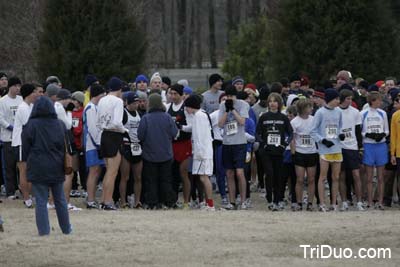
(231, 128)
(274, 139)
(374, 128)
(305, 141)
(331, 131)
(349, 138)
(136, 149)
(75, 122)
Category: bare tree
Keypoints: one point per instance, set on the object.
(212, 42)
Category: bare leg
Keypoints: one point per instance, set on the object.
(91, 182)
(137, 174)
(112, 165)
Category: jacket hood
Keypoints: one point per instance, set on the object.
(290, 99)
(43, 108)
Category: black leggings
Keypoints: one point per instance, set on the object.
(272, 166)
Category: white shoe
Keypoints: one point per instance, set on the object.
(248, 203)
(202, 205)
(345, 206)
(281, 205)
(322, 208)
(333, 208)
(73, 208)
(360, 206)
(28, 203)
(207, 208)
(238, 201)
(50, 206)
(275, 207)
(243, 206)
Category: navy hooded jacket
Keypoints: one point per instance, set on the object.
(43, 144)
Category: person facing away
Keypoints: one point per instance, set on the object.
(43, 148)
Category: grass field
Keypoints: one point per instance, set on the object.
(254, 237)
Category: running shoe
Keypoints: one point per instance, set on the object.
(281, 205)
(379, 206)
(109, 207)
(345, 206)
(270, 206)
(73, 208)
(275, 207)
(138, 206)
(224, 202)
(229, 207)
(248, 203)
(50, 206)
(243, 206)
(333, 208)
(322, 208)
(84, 194)
(360, 206)
(28, 203)
(207, 208)
(92, 205)
(310, 207)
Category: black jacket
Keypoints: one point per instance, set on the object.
(43, 144)
(272, 127)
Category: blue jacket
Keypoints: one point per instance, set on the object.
(156, 132)
(43, 144)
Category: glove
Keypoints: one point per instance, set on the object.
(99, 154)
(371, 135)
(379, 137)
(342, 137)
(10, 127)
(70, 107)
(228, 105)
(327, 143)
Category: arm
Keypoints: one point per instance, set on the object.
(65, 117)
(142, 129)
(250, 129)
(314, 130)
(174, 132)
(3, 122)
(289, 131)
(26, 138)
(93, 130)
(359, 136)
(118, 116)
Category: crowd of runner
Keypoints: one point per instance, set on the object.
(141, 143)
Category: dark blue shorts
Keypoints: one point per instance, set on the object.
(351, 159)
(233, 156)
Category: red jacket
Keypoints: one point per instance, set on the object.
(77, 127)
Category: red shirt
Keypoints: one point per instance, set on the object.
(77, 127)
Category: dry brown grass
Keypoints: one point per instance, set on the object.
(194, 238)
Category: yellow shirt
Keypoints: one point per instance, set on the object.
(395, 135)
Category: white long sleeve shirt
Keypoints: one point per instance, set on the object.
(91, 128)
(8, 109)
(374, 121)
(110, 112)
(62, 115)
(201, 136)
(21, 118)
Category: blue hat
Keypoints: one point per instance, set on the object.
(187, 90)
(331, 94)
(237, 79)
(141, 78)
(130, 97)
(115, 84)
(373, 87)
(90, 79)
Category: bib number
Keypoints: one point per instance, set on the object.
(305, 141)
(374, 129)
(231, 128)
(136, 149)
(75, 122)
(274, 139)
(331, 131)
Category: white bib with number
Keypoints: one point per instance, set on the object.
(374, 128)
(136, 149)
(349, 139)
(274, 139)
(231, 128)
(305, 141)
(331, 131)
(75, 122)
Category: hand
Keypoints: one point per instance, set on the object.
(379, 137)
(99, 154)
(342, 137)
(10, 127)
(256, 146)
(70, 107)
(393, 160)
(228, 105)
(327, 143)
(371, 135)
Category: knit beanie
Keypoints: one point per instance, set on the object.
(14, 81)
(237, 79)
(155, 102)
(141, 78)
(264, 93)
(96, 90)
(27, 89)
(53, 79)
(142, 95)
(2, 75)
(177, 88)
(166, 80)
(394, 92)
(363, 84)
(193, 101)
(155, 76)
(78, 96)
(52, 90)
(90, 79)
(115, 84)
(295, 77)
(183, 82)
(187, 90)
(214, 78)
(130, 97)
(372, 88)
(63, 94)
(330, 94)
